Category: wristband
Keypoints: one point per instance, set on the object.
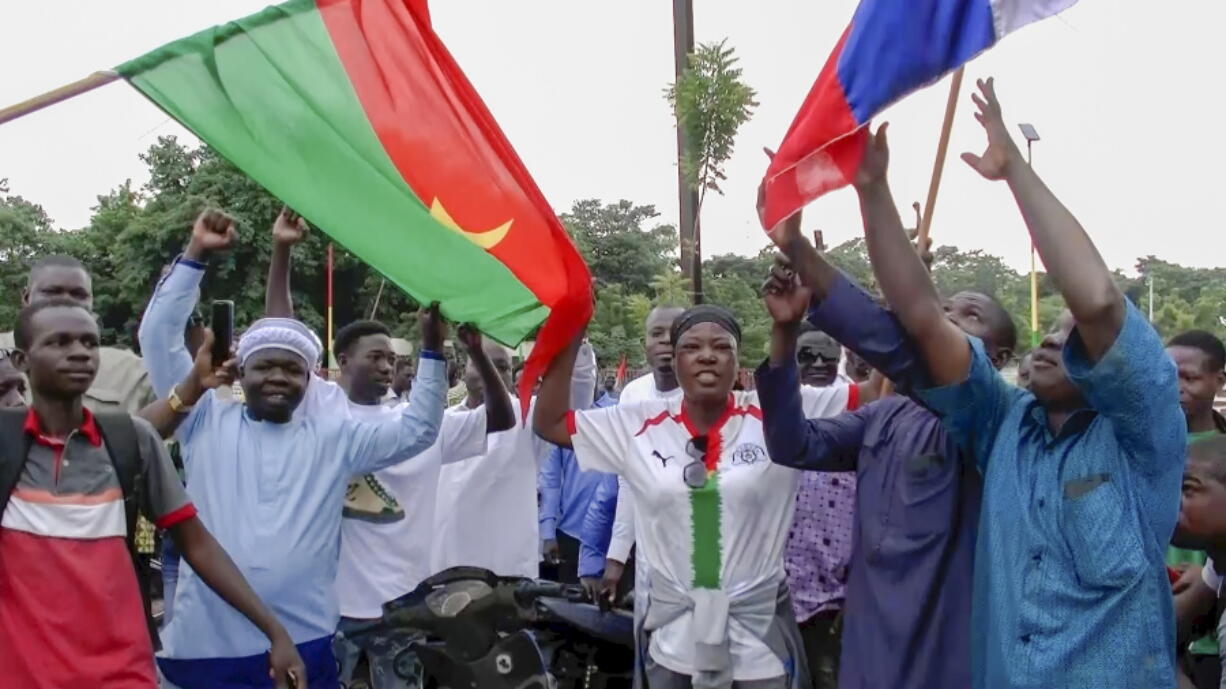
(176, 403)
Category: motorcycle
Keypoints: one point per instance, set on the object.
(492, 632)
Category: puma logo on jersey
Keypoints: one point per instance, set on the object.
(663, 460)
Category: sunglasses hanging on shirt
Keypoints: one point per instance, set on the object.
(695, 473)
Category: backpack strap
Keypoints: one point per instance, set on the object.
(14, 449)
(119, 433)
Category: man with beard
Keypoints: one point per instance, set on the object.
(269, 475)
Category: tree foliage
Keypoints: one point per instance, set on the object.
(135, 232)
(710, 102)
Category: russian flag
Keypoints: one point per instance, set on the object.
(892, 48)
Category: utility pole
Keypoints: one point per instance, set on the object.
(691, 238)
(1032, 136)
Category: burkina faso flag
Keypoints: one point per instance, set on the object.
(354, 113)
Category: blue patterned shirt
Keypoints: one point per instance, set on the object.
(1070, 588)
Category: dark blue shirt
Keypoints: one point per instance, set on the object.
(908, 607)
(1071, 588)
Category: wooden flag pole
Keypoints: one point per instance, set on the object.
(942, 148)
(62, 93)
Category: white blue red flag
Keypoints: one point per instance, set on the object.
(892, 48)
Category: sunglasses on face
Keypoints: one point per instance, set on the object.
(809, 356)
(695, 473)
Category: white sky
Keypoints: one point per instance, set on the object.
(577, 87)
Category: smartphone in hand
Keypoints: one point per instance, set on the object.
(222, 324)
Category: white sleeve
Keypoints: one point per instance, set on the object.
(820, 403)
(622, 539)
(1210, 576)
(601, 437)
(462, 435)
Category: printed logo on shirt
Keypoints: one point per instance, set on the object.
(663, 460)
(748, 453)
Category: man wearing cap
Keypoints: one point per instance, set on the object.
(269, 476)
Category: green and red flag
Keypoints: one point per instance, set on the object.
(354, 113)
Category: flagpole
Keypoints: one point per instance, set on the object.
(63, 93)
(328, 361)
(938, 166)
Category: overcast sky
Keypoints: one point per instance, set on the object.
(1126, 96)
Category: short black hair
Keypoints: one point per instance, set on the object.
(1211, 451)
(350, 334)
(56, 261)
(23, 334)
(1206, 342)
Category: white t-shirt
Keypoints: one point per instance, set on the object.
(486, 515)
(381, 562)
(638, 390)
(1210, 576)
(743, 512)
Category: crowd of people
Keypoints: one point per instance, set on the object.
(912, 521)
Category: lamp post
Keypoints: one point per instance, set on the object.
(1032, 135)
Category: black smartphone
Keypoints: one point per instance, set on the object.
(222, 324)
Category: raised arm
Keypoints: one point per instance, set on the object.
(164, 416)
(790, 439)
(1070, 257)
(903, 277)
(287, 230)
(371, 446)
(165, 320)
(553, 404)
(499, 412)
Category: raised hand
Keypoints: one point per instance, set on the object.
(787, 300)
(208, 374)
(289, 228)
(787, 231)
(433, 328)
(1001, 152)
(469, 337)
(876, 161)
(212, 231)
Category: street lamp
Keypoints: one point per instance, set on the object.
(1032, 135)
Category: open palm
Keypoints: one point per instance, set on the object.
(1001, 152)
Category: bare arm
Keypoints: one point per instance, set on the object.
(902, 275)
(288, 229)
(1070, 257)
(202, 378)
(549, 418)
(210, 561)
(499, 413)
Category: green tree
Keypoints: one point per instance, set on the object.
(710, 102)
(618, 244)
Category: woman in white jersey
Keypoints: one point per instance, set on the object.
(713, 510)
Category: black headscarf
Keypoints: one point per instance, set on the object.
(706, 313)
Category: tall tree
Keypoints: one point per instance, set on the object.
(710, 102)
(620, 242)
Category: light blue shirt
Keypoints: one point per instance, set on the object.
(566, 490)
(1070, 587)
(597, 529)
(271, 494)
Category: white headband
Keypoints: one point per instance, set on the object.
(279, 333)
